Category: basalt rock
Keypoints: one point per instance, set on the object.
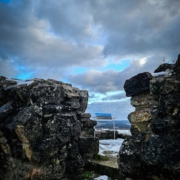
(131, 150)
(44, 132)
(153, 150)
(164, 67)
(137, 84)
(177, 66)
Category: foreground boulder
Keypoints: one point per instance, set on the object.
(153, 152)
(44, 132)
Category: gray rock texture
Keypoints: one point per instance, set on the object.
(153, 152)
(44, 132)
(164, 67)
(137, 84)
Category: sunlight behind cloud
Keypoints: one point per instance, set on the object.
(143, 61)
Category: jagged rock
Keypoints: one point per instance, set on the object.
(41, 125)
(155, 85)
(88, 127)
(137, 84)
(130, 151)
(165, 124)
(141, 121)
(123, 136)
(164, 67)
(177, 66)
(87, 146)
(153, 150)
(144, 100)
(160, 157)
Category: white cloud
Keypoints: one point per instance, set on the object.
(8, 68)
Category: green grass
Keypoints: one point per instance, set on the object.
(98, 157)
(108, 152)
(87, 175)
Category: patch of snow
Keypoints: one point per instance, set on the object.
(102, 130)
(110, 145)
(28, 82)
(123, 131)
(104, 177)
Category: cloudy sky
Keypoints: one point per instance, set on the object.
(93, 44)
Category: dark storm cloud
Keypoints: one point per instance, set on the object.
(139, 27)
(30, 40)
(110, 80)
(50, 38)
(67, 18)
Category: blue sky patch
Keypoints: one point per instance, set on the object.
(25, 75)
(79, 70)
(5, 1)
(118, 66)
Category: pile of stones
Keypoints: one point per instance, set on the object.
(44, 132)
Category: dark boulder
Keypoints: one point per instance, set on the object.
(177, 66)
(137, 84)
(160, 157)
(44, 132)
(164, 67)
(129, 159)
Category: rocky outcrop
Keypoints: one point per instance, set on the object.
(44, 132)
(153, 152)
(137, 84)
(164, 67)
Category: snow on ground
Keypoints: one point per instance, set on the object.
(102, 178)
(120, 131)
(111, 146)
(124, 131)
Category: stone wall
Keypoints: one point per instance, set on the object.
(153, 152)
(44, 132)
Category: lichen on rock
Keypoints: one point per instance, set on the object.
(153, 152)
(44, 132)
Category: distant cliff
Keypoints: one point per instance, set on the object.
(153, 152)
(44, 132)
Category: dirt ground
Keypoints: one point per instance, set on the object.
(112, 162)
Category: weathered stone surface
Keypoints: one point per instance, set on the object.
(87, 146)
(160, 157)
(143, 100)
(164, 67)
(177, 66)
(87, 127)
(130, 151)
(169, 85)
(155, 87)
(137, 84)
(141, 120)
(41, 125)
(156, 131)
